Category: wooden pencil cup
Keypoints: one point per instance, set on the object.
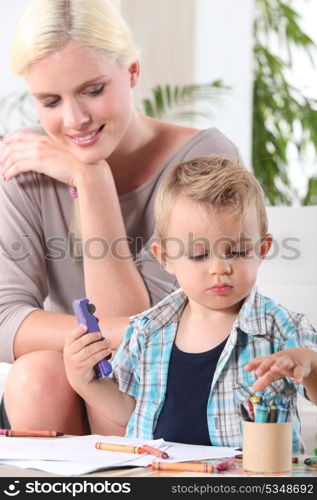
(267, 447)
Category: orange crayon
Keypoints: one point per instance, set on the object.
(183, 466)
(119, 447)
(30, 433)
(155, 451)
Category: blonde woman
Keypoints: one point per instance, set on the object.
(86, 179)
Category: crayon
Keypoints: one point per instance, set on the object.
(154, 451)
(244, 413)
(120, 447)
(311, 461)
(29, 433)
(255, 400)
(262, 412)
(282, 412)
(251, 410)
(273, 413)
(183, 466)
(226, 464)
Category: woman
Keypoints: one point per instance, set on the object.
(86, 179)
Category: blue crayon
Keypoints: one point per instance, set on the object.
(262, 412)
(282, 413)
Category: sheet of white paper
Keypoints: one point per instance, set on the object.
(79, 455)
(55, 467)
(73, 449)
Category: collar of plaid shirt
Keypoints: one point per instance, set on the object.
(251, 318)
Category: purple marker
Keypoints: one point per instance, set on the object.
(84, 312)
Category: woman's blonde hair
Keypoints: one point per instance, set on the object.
(49, 25)
(211, 181)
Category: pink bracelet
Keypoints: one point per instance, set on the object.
(72, 191)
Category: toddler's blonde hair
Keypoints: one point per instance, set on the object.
(211, 181)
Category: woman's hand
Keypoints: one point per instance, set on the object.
(28, 151)
(81, 352)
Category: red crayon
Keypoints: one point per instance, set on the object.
(226, 464)
(251, 410)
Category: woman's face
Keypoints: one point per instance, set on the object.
(83, 101)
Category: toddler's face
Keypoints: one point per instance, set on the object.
(214, 254)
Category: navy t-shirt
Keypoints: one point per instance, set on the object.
(183, 418)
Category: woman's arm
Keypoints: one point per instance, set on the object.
(24, 279)
(42, 330)
(113, 283)
(112, 280)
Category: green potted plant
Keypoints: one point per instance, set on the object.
(282, 115)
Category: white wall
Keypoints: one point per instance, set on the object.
(165, 32)
(196, 41)
(224, 50)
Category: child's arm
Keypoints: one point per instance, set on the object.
(81, 353)
(298, 363)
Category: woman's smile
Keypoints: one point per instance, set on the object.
(87, 138)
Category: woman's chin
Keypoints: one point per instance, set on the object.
(92, 155)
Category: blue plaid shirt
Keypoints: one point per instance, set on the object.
(261, 328)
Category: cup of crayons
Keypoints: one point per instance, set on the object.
(267, 434)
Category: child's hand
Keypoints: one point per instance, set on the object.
(296, 363)
(81, 353)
